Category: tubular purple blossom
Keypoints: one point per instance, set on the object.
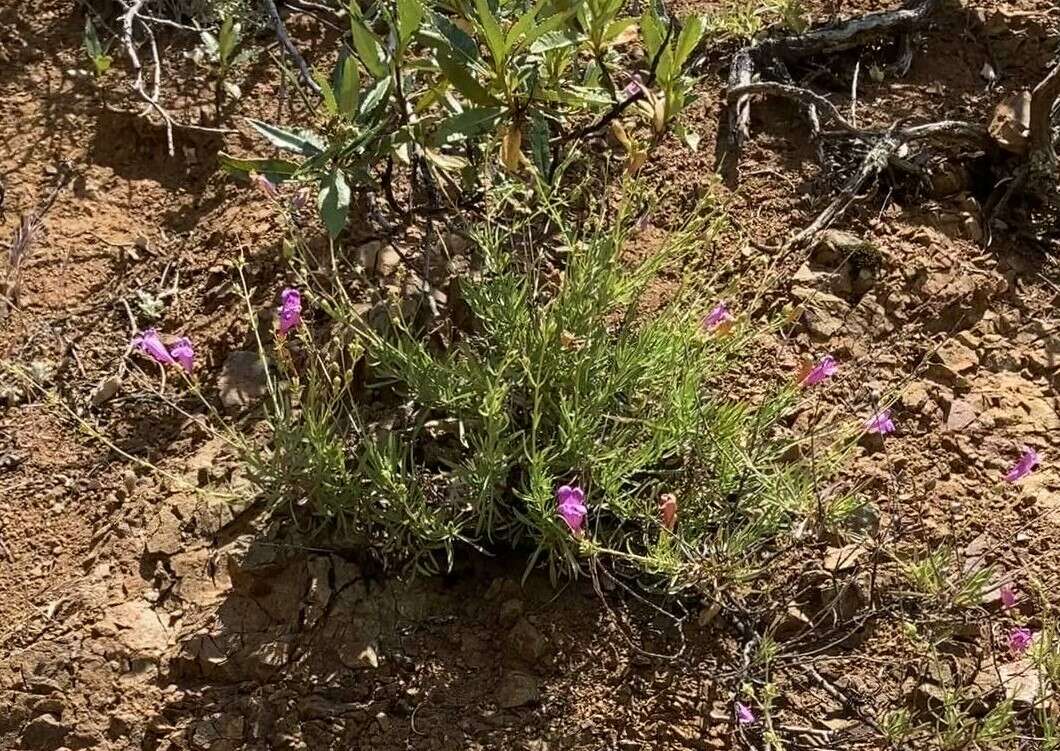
(744, 715)
(570, 504)
(1019, 639)
(290, 310)
(822, 371)
(1027, 462)
(184, 353)
(717, 317)
(149, 343)
(880, 423)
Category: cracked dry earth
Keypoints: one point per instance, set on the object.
(147, 610)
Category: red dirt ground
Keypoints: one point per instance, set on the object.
(135, 613)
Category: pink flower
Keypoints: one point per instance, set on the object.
(1008, 596)
(823, 370)
(668, 510)
(1018, 641)
(290, 310)
(264, 184)
(570, 503)
(184, 353)
(744, 714)
(1027, 461)
(880, 423)
(717, 317)
(149, 343)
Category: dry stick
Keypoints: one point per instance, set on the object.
(1043, 99)
(797, 93)
(281, 34)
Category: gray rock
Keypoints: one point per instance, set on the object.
(44, 733)
(527, 641)
(517, 690)
(243, 380)
(107, 389)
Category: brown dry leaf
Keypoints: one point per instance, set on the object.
(805, 366)
(936, 88)
(1011, 125)
(511, 145)
(637, 159)
(659, 117)
(619, 132)
(631, 34)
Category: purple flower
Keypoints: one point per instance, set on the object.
(880, 423)
(1008, 596)
(264, 184)
(1018, 641)
(823, 370)
(635, 85)
(1028, 461)
(290, 310)
(149, 343)
(570, 503)
(184, 353)
(744, 714)
(717, 317)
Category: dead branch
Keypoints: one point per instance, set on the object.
(853, 33)
(1043, 101)
(796, 93)
(131, 16)
(292, 50)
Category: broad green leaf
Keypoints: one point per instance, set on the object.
(653, 34)
(553, 40)
(443, 35)
(616, 28)
(460, 77)
(375, 98)
(524, 24)
(690, 35)
(664, 68)
(365, 42)
(277, 170)
(301, 141)
(228, 40)
(549, 25)
(333, 201)
(211, 45)
(410, 16)
(492, 31)
(468, 123)
(348, 87)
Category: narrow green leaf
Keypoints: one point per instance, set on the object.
(690, 35)
(540, 135)
(348, 87)
(92, 45)
(460, 77)
(333, 201)
(227, 41)
(445, 162)
(210, 44)
(328, 93)
(365, 42)
(277, 170)
(300, 140)
(492, 31)
(468, 123)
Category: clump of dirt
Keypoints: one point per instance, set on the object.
(162, 608)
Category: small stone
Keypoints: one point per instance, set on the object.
(960, 415)
(107, 389)
(511, 610)
(243, 380)
(957, 357)
(516, 690)
(837, 560)
(527, 641)
(44, 733)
